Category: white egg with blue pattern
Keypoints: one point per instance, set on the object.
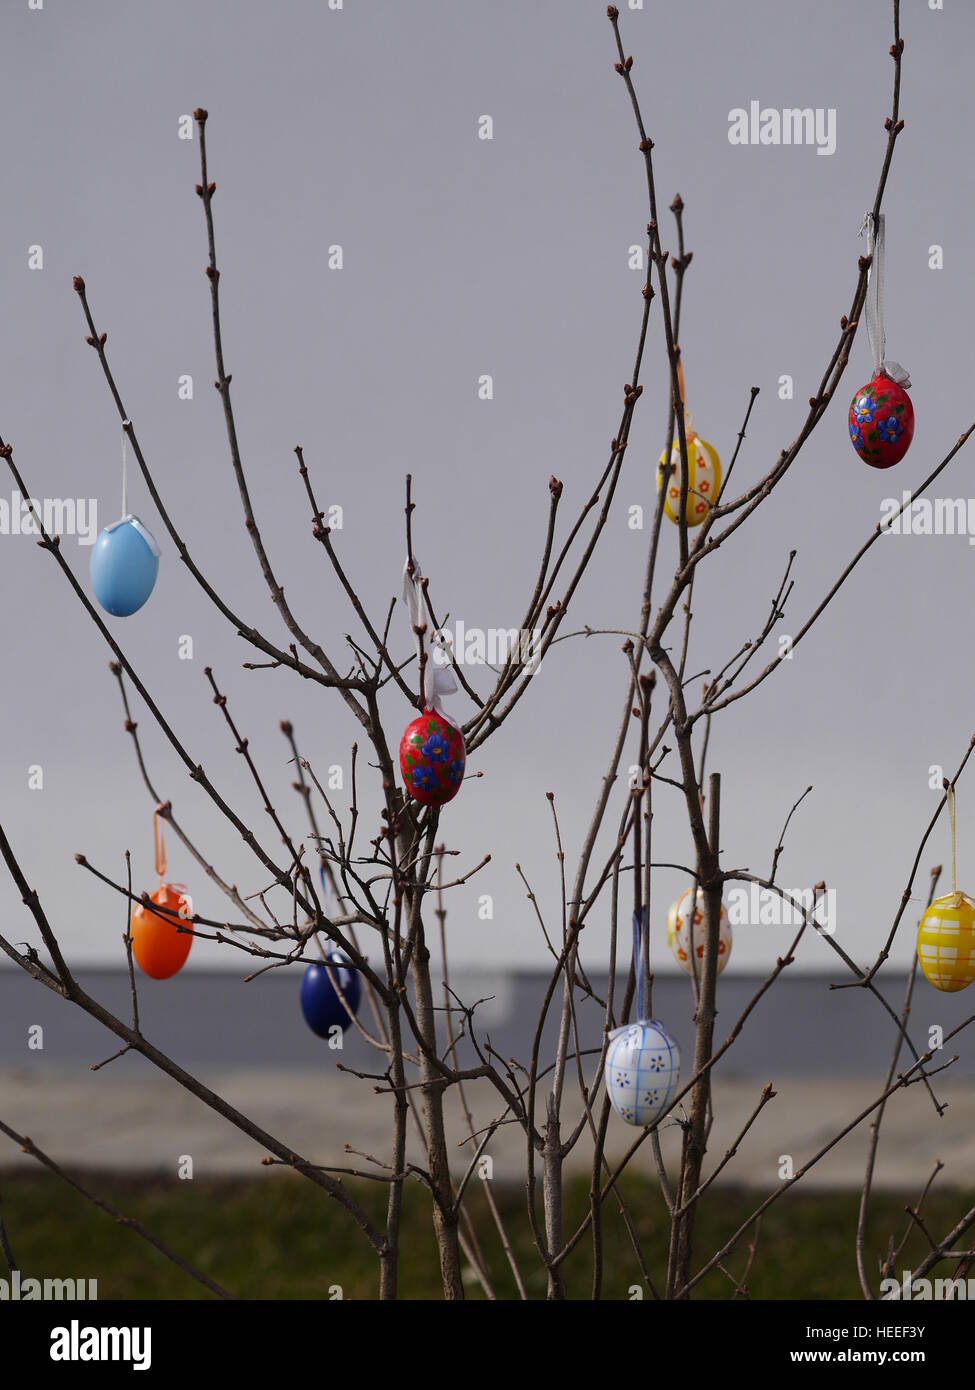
(642, 1071)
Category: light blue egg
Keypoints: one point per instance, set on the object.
(642, 1071)
(124, 565)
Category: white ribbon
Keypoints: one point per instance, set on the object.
(438, 678)
(874, 303)
(125, 470)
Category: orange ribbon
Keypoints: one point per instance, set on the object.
(688, 431)
(159, 844)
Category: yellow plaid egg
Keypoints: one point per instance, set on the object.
(703, 485)
(685, 932)
(946, 942)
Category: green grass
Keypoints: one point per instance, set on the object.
(280, 1237)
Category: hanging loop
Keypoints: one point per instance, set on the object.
(874, 302)
(688, 422)
(126, 426)
(951, 818)
(159, 842)
(327, 894)
(640, 997)
(438, 678)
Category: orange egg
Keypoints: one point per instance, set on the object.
(159, 947)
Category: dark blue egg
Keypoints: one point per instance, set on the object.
(124, 564)
(321, 1003)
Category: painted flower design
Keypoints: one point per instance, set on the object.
(890, 429)
(657, 1062)
(881, 422)
(863, 410)
(431, 758)
(435, 747)
(424, 778)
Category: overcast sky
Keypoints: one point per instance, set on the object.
(463, 257)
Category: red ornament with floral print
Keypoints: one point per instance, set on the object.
(432, 759)
(881, 422)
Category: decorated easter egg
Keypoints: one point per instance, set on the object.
(946, 942)
(881, 422)
(322, 1001)
(124, 564)
(685, 931)
(432, 758)
(159, 947)
(642, 1071)
(703, 485)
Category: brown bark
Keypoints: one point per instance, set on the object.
(700, 1100)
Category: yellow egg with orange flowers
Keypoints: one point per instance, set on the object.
(704, 480)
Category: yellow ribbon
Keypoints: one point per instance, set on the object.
(951, 818)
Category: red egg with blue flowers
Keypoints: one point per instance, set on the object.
(432, 759)
(881, 422)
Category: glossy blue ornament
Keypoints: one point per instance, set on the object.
(124, 565)
(321, 1003)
